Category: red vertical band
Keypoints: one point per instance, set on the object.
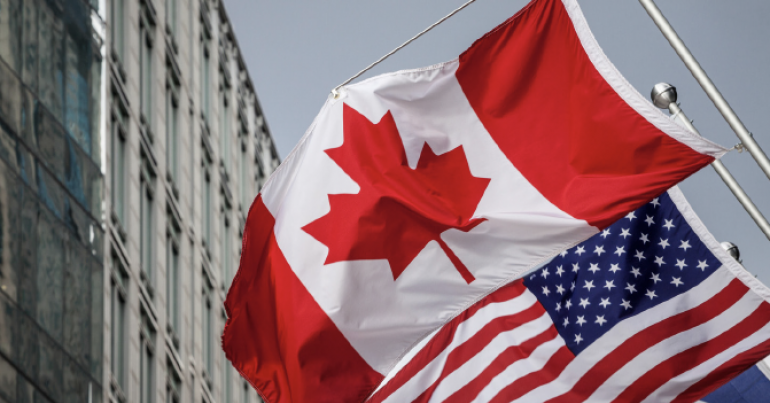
(278, 337)
(562, 125)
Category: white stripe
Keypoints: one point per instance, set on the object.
(478, 363)
(535, 362)
(627, 328)
(666, 349)
(423, 379)
(679, 384)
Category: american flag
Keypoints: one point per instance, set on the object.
(651, 309)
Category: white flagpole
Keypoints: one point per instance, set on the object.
(747, 140)
(664, 97)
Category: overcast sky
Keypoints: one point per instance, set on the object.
(297, 51)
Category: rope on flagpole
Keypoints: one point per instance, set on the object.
(335, 91)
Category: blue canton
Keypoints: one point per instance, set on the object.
(645, 258)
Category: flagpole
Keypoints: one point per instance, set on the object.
(747, 139)
(664, 97)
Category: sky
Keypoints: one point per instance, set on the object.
(298, 50)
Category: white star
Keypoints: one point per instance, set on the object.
(631, 288)
(580, 320)
(609, 285)
(680, 264)
(545, 273)
(644, 239)
(677, 281)
(651, 294)
(578, 339)
(563, 253)
(620, 250)
(580, 250)
(631, 216)
(625, 304)
(655, 202)
(558, 306)
(594, 268)
(636, 272)
(639, 255)
(655, 278)
(589, 285)
(659, 261)
(575, 267)
(605, 233)
(605, 302)
(572, 287)
(559, 289)
(559, 271)
(584, 303)
(669, 224)
(600, 320)
(614, 268)
(599, 250)
(568, 305)
(702, 265)
(566, 322)
(663, 243)
(649, 221)
(546, 291)
(625, 233)
(685, 245)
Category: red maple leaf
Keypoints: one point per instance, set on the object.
(398, 209)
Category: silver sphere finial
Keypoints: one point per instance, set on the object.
(663, 94)
(732, 249)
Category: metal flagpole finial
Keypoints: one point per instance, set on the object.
(663, 95)
(732, 249)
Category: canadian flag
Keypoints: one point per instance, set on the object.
(417, 193)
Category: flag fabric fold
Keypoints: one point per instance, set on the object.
(651, 309)
(415, 194)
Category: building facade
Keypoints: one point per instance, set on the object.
(51, 238)
(131, 147)
(186, 151)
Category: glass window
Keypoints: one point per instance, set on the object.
(145, 69)
(242, 183)
(172, 280)
(227, 377)
(206, 328)
(118, 171)
(146, 224)
(172, 116)
(226, 250)
(174, 386)
(117, 28)
(171, 16)
(146, 362)
(245, 396)
(224, 132)
(205, 81)
(206, 176)
(118, 324)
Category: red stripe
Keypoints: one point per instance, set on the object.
(650, 336)
(562, 125)
(692, 357)
(443, 338)
(529, 382)
(471, 347)
(724, 373)
(511, 355)
(278, 337)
